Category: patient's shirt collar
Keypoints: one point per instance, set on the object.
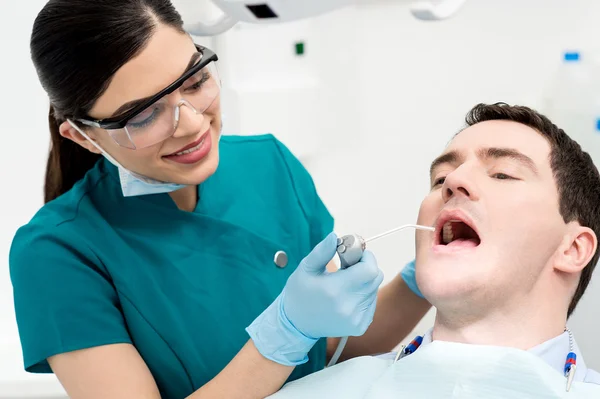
(552, 352)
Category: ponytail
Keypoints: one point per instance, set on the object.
(67, 163)
(75, 73)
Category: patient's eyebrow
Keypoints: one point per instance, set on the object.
(449, 157)
(497, 153)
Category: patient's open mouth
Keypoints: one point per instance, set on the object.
(458, 233)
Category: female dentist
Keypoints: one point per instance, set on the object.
(147, 268)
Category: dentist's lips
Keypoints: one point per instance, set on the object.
(455, 231)
(192, 152)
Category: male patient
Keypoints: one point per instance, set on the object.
(516, 207)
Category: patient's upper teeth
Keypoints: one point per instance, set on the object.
(447, 234)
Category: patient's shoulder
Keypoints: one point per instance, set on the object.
(592, 377)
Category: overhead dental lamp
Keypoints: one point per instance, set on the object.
(274, 11)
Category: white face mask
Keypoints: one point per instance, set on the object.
(442, 370)
(133, 184)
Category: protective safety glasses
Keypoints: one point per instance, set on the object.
(156, 119)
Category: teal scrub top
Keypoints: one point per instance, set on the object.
(95, 268)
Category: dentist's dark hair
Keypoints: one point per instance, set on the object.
(576, 176)
(77, 46)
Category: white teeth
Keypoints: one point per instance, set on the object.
(447, 234)
(191, 149)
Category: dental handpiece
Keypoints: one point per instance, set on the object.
(351, 247)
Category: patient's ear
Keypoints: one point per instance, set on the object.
(577, 249)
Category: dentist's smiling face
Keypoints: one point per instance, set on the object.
(160, 63)
(495, 205)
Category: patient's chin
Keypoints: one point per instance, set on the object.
(441, 287)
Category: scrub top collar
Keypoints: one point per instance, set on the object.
(553, 352)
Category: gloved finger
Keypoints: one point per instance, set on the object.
(366, 317)
(363, 272)
(369, 292)
(374, 285)
(316, 261)
(370, 288)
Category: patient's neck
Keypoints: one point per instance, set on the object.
(523, 324)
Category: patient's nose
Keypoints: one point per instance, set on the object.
(458, 184)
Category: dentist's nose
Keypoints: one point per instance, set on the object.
(186, 120)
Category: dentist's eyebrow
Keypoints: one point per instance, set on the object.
(498, 153)
(451, 157)
(134, 103)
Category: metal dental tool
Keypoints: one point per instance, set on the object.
(350, 247)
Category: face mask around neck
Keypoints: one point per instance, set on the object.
(133, 184)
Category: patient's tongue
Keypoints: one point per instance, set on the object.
(465, 243)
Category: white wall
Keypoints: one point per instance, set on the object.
(25, 139)
(391, 91)
(413, 92)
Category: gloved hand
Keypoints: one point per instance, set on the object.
(409, 277)
(315, 304)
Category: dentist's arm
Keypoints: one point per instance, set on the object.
(119, 372)
(313, 304)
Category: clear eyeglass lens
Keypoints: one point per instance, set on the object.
(157, 122)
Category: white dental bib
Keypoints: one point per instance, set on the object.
(442, 370)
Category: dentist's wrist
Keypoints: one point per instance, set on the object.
(408, 274)
(276, 337)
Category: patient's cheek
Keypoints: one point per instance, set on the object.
(425, 210)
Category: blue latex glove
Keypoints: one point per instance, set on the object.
(315, 304)
(408, 275)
